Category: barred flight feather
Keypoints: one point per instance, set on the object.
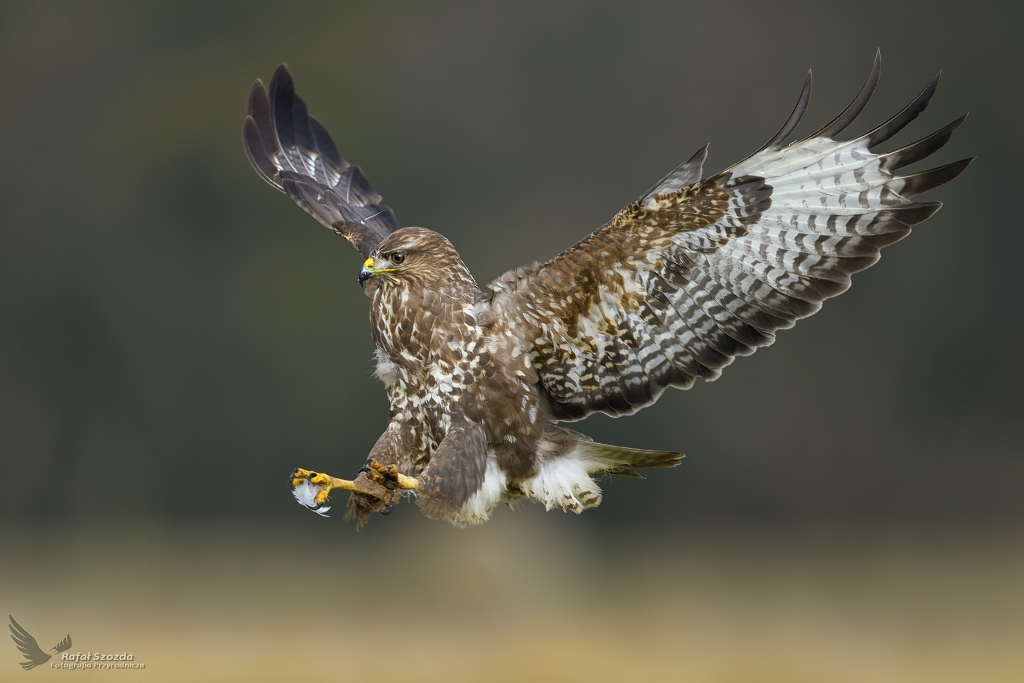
(296, 155)
(697, 272)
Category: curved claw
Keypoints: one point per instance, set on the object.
(387, 511)
(299, 473)
(312, 489)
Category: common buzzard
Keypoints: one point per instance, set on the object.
(693, 273)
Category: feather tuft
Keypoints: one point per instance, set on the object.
(305, 493)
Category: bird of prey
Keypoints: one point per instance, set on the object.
(30, 648)
(691, 274)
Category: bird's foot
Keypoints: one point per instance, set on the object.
(387, 476)
(313, 489)
(390, 479)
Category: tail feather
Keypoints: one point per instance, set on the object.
(568, 460)
(621, 461)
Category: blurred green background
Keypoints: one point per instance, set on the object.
(175, 337)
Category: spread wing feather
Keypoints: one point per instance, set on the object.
(290, 150)
(696, 272)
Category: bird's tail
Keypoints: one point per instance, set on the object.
(622, 461)
(568, 460)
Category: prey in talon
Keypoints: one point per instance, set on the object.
(696, 271)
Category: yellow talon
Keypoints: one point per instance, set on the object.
(313, 489)
(321, 479)
(389, 476)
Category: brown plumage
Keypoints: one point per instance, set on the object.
(680, 282)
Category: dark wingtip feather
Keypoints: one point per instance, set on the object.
(282, 87)
(926, 180)
(303, 131)
(853, 110)
(256, 153)
(326, 145)
(280, 75)
(915, 213)
(687, 173)
(294, 153)
(282, 105)
(695, 164)
(916, 151)
(794, 119)
(255, 94)
(258, 108)
(905, 116)
(700, 156)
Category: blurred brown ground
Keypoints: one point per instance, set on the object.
(175, 337)
(522, 599)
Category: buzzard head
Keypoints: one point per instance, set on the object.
(414, 258)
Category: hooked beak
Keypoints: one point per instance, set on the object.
(367, 272)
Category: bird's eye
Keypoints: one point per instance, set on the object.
(397, 257)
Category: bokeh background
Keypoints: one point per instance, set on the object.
(175, 337)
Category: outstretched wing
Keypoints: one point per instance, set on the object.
(64, 645)
(294, 153)
(28, 646)
(697, 272)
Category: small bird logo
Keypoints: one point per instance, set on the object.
(30, 648)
